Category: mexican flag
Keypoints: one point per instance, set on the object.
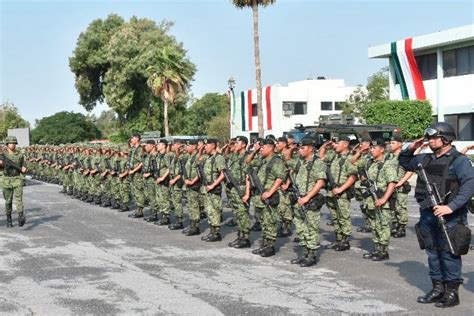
(247, 99)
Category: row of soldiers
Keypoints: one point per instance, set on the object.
(282, 179)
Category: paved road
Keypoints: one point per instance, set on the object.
(74, 258)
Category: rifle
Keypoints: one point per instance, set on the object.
(331, 184)
(230, 179)
(297, 192)
(257, 184)
(9, 163)
(202, 176)
(154, 168)
(434, 200)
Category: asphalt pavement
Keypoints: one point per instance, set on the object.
(76, 258)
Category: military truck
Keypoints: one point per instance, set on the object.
(324, 132)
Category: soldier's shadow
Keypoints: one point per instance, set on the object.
(414, 273)
(32, 223)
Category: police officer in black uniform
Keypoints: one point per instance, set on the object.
(453, 175)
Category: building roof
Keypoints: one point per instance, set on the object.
(430, 41)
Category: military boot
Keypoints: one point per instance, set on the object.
(394, 229)
(97, 199)
(310, 259)
(137, 214)
(114, 204)
(334, 244)
(343, 245)
(63, 190)
(9, 221)
(301, 257)
(124, 207)
(236, 240)
(152, 218)
(105, 201)
(244, 242)
(177, 225)
(216, 236)
(450, 297)
(285, 229)
(193, 228)
(401, 232)
(231, 223)
(257, 227)
(436, 293)
(89, 198)
(263, 244)
(382, 254)
(211, 233)
(165, 220)
(269, 250)
(21, 219)
(371, 254)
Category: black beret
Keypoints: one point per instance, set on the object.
(365, 138)
(270, 136)
(397, 138)
(163, 141)
(177, 141)
(282, 139)
(379, 142)
(306, 141)
(290, 135)
(268, 141)
(211, 141)
(243, 139)
(150, 142)
(192, 142)
(344, 138)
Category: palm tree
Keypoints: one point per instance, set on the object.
(169, 78)
(258, 71)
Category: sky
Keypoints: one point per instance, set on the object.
(298, 39)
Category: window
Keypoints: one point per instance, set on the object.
(463, 125)
(427, 65)
(326, 106)
(295, 108)
(338, 106)
(459, 61)
(254, 110)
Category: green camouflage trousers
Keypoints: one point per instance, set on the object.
(125, 190)
(399, 215)
(163, 199)
(381, 226)
(213, 204)
(284, 208)
(240, 211)
(299, 220)
(138, 186)
(193, 204)
(150, 193)
(12, 188)
(177, 201)
(270, 218)
(115, 188)
(310, 230)
(342, 216)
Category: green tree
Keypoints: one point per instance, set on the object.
(219, 127)
(107, 122)
(376, 90)
(204, 110)
(64, 127)
(114, 59)
(10, 118)
(258, 71)
(411, 116)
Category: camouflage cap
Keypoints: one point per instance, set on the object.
(11, 140)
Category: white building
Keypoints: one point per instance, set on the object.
(440, 68)
(301, 102)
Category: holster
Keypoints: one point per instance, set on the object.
(274, 200)
(460, 236)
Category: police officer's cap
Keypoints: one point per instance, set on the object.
(397, 138)
(307, 141)
(211, 141)
(282, 139)
(379, 142)
(11, 140)
(243, 139)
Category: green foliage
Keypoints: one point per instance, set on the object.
(64, 127)
(248, 3)
(107, 122)
(9, 118)
(203, 111)
(376, 90)
(219, 127)
(411, 116)
(113, 61)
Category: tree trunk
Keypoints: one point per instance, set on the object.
(258, 72)
(165, 118)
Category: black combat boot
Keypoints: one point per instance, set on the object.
(370, 255)
(216, 236)
(401, 232)
(296, 239)
(63, 190)
(138, 213)
(21, 219)
(89, 198)
(382, 254)
(257, 227)
(97, 200)
(310, 259)
(450, 297)
(236, 240)
(343, 245)
(269, 250)
(177, 225)
(436, 293)
(285, 230)
(152, 218)
(301, 257)
(165, 220)
(334, 244)
(193, 228)
(231, 223)
(394, 229)
(105, 201)
(211, 233)
(263, 244)
(124, 207)
(244, 242)
(9, 221)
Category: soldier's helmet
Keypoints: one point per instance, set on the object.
(441, 129)
(11, 140)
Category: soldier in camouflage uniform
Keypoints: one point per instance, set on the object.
(212, 177)
(237, 170)
(177, 162)
(270, 175)
(149, 179)
(163, 161)
(192, 188)
(125, 180)
(284, 208)
(344, 174)
(399, 209)
(309, 176)
(136, 178)
(12, 164)
(253, 160)
(383, 174)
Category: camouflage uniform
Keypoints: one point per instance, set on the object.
(399, 206)
(176, 190)
(192, 195)
(137, 182)
(359, 189)
(149, 183)
(162, 189)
